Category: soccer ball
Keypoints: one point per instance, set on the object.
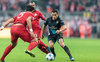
(50, 57)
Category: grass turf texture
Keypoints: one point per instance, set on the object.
(83, 50)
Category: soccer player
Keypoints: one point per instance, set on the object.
(55, 33)
(18, 30)
(37, 31)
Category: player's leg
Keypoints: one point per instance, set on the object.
(51, 46)
(41, 45)
(52, 41)
(44, 48)
(31, 46)
(65, 48)
(7, 51)
(24, 35)
(10, 47)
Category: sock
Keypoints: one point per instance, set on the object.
(42, 44)
(48, 49)
(32, 45)
(67, 51)
(7, 51)
(43, 49)
(52, 50)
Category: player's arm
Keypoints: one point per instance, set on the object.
(9, 21)
(29, 24)
(42, 32)
(43, 28)
(42, 16)
(63, 27)
(61, 30)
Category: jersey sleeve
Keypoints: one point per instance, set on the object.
(42, 16)
(46, 22)
(62, 23)
(15, 18)
(29, 15)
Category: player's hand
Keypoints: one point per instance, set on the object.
(58, 31)
(36, 39)
(32, 34)
(42, 36)
(1, 28)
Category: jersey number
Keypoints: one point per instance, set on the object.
(20, 15)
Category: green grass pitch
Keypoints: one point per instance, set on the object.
(83, 50)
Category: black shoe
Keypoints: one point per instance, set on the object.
(72, 59)
(2, 61)
(30, 53)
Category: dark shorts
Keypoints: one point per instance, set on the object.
(55, 37)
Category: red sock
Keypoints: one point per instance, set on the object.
(42, 44)
(42, 47)
(32, 45)
(6, 52)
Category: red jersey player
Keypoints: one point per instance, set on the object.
(18, 30)
(37, 31)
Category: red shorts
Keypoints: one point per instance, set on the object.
(37, 33)
(19, 31)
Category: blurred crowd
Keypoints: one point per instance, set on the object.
(89, 10)
(66, 5)
(13, 4)
(75, 5)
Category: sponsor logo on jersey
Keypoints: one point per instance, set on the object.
(57, 22)
(33, 18)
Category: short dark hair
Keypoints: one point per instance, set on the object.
(29, 8)
(33, 1)
(55, 10)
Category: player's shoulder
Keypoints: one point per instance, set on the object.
(59, 18)
(27, 12)
(37, 11)
(48, 19)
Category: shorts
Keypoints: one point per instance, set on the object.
(37, 33)
(55, 37)
(19, 31)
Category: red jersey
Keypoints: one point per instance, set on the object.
(21, 18)
(37, 16)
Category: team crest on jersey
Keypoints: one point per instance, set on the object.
(35, 14)
(57, 22)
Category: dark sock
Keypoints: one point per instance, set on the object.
(48, 49)
(67, 51)
(52, 50)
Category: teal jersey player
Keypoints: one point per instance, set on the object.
(55, 33)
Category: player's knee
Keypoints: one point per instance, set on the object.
(51, 45)
(62, 45)
(14, 44)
